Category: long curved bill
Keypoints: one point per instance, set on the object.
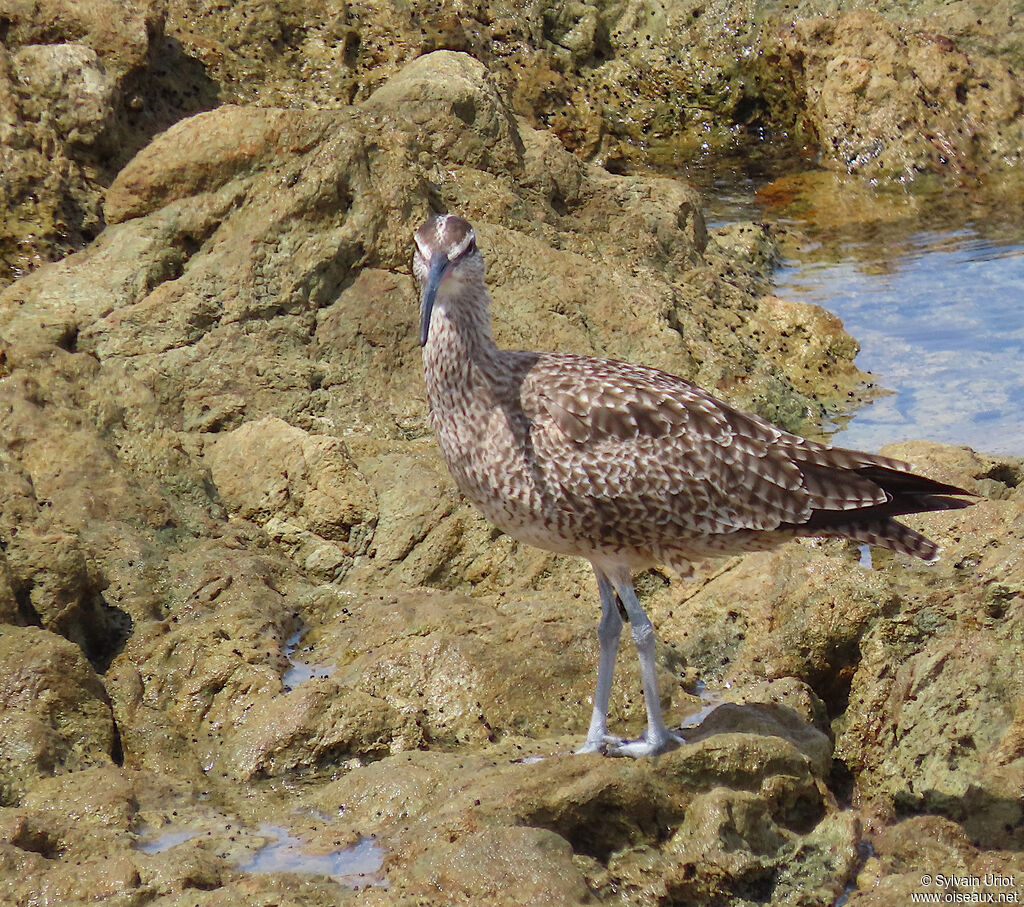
(434, 275)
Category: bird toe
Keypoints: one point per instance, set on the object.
(603, 744)
(646, 746)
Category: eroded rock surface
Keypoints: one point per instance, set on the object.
(83, 86)
(214, 450)
(892, 93)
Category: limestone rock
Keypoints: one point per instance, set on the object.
(54, 711)
(887, 100)
(83, 85)
(305, 488)
(215, 444)
(485, 866)
(904, 853)
(893, 652)
(86, 84)
(734, 801)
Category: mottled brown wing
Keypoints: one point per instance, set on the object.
(638, 439)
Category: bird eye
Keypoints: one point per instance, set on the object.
(466, 251)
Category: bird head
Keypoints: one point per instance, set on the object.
(446, 255)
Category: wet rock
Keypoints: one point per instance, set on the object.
(60, 592)
(214, 425)
(894, 100)
(54, 711)
(730, 849)
(893, 652)
(459, 670)
(230, 253)
(186, 683)
(85, 85)
(949, 643)
(486, 865)
(636, 828)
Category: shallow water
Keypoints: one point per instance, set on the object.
(942, 326)
(300, 671)
(931, 287)
(158, 842)
(359, 864)
(712, 699)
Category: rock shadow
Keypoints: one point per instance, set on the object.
(169, 86)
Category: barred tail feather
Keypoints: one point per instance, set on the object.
(875, 525)
(889, 534)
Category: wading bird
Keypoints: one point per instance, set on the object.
(629, 466)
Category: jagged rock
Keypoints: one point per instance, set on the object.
(214, 438)
(305, 491)
(83, 85)
(885, 99)
(54, 711)
(895, 653)
(934, 88)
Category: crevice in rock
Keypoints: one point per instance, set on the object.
(116, 747)
(973, 811)
(832, 684)
(100, 630)
(842, 782)
(37, 840)
(26, 610)
(600, 827)
(68, 339)
(1004, 473)
(168, 87)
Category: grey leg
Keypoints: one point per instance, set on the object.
(608, 632)
(658, 738)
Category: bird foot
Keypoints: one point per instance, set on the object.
(600, 744)
(648, 745)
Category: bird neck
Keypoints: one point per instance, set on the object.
(460, 329)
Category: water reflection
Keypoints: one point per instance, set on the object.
(712, 699)
(359, 864)
(941, 326)
(300, 671)
(157, 842)
(931, 283)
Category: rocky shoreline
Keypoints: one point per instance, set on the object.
(216, 469)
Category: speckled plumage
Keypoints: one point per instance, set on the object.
(626, 465)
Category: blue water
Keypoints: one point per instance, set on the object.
(941, 323)
(300, 671)
(359, 864)
(933, 292)
(154, 842)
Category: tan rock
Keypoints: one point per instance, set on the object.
(893, 652)
(54, 711)
(214, 413)
(303, 485)
(924, 855)
(892, 100)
